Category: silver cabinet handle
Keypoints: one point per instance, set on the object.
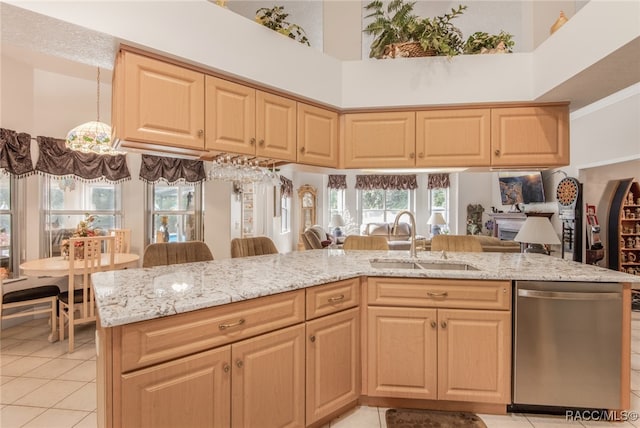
(336, 298)
(200, 132)
(412, 155)
(239, 363)
(261, 142)
(302, 149)
(252, 141)
(443, 324)
(567, 295)
(226, 368)
(434, 324)
(420, 155)
(437, 294)
(312, 338)
(497, 152)
(232, 324)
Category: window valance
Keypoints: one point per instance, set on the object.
(337, 182)
(58, 161)
(438, 181)
(172, 170)
(286, 187)
(15, 153)
(386, 182)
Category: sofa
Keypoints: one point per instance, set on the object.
(400, 240)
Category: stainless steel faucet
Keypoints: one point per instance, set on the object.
(412, 218)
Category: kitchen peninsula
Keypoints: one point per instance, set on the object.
(295, 339)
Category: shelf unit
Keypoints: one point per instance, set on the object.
(248, 211)
(624, 228)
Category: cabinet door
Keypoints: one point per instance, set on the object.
(231, 117)
(379, 140)
(459, 138)
(317, 136)
(530, 136)
(474, 355)
(332, 363)
(268, 380)
(402, 352)
(192, 391)
(275, 127)
(159, 103)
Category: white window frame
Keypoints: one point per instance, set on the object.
(285, 214)
(387, 218)
(182, 212)
(442, 210)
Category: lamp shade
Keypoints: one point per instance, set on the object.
(537, 230)
(90, 137)
(436, 218)
(336, 221)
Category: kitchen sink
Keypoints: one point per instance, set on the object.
(408, 264)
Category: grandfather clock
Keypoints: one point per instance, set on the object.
(308, 201)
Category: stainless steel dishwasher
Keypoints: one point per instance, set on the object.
(567, 344)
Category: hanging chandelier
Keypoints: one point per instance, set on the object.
(94, 136)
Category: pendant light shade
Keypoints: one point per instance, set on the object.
(94, 136)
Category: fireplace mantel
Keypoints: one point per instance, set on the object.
(507, 225)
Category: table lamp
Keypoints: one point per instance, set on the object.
(336, 223)
(436, 220)
(537, 231)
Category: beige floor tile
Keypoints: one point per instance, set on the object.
(53, 368)
(54, 350)
(635, 361)
(6, 359)
(57, 418)
(19, 387)
(5, 379)
(82, 399)
(90, 421)
(635, 380)
(514, 420)
(551, 421)
(359, 417)
(81, 352)
(17, 416)
(34, 333)
(12, 331)
(27, 347)
(605, 424)
(8, 343)
(50, 393)
(85, 371)
(23, 365)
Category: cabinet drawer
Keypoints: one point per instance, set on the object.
(327, 299)
(440, 293)
(154, 341)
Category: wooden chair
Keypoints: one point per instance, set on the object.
(255, 246)
(31, 301)
(86, 256)
(468, 243)
(169, 253)
(357, 242)
(311, 241)
(122, 241)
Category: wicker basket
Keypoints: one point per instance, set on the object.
(406, 50)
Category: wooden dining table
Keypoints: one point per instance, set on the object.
(59, 266)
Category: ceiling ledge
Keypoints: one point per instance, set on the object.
(568, 66)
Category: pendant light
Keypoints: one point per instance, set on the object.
(92, 137)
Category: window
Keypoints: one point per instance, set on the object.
(8, 225)
(175, 212)
(66, 203)
(285, 214)
(336, 202)
(382, 206)
(439, 202)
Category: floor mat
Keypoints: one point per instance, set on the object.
(414, 418)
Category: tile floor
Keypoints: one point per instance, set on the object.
(43, 386)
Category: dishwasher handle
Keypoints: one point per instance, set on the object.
(567, 295)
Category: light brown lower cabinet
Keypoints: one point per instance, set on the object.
(443, 354)
(333, 363)
(255, 382)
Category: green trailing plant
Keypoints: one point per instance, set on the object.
(275, 18)
(398, 24)
(481, 42)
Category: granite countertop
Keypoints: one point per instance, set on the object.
(131, 295)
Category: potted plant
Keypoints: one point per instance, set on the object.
(400, 33)
(275, 19)
(481, 42)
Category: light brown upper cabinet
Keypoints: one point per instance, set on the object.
(317, 136)
(243, 120)
(530, 136)
(460, 138)
(158, 104)
(379, 140)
